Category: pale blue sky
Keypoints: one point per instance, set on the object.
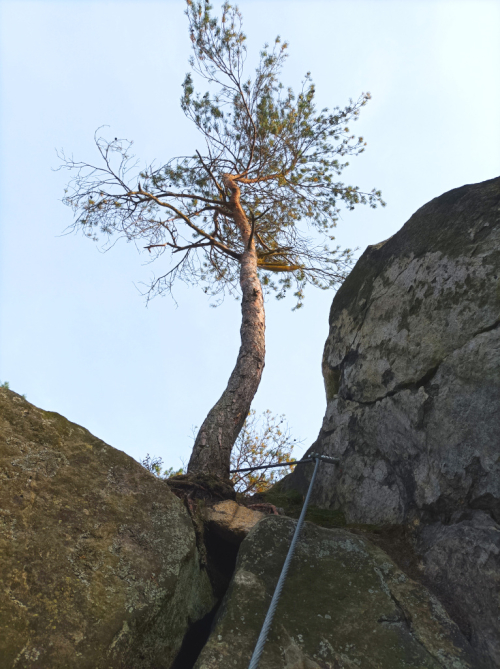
(76, 337)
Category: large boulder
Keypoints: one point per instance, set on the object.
(344, 605)
(98, 560)
(412, 374)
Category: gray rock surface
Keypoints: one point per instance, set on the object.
(98, 560)
(463, 559)
(412, 374)
(345, 605)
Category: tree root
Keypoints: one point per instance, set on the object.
(201, 486)
(265, 507)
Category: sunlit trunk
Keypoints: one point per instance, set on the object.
(216, 437)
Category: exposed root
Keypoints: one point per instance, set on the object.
(193, 489)
(265, 507)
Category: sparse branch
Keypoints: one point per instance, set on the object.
(211, 174)
(263, 441)
(192, 225)
(178, 248)
(262, 242)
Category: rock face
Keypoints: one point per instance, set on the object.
(412, 374)
(345, 605)
(98, 559)
(462, 563)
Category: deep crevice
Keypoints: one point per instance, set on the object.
(407, 620)
(221, 558)
(194, 640)
(488, 328)
(221, 562)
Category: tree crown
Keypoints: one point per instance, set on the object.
(284, 156)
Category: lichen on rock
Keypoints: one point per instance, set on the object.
(98, 560)
(412, 373)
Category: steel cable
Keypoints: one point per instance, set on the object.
(254, 661)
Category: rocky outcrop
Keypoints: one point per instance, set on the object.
(98, 559)
(102, 566)
(344, 605)
(412, 373)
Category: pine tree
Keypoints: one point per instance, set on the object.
(252, 211)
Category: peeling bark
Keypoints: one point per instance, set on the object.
(216, 437)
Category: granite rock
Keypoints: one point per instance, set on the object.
(98, 560)
(412, 377)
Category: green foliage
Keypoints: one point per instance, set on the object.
(284, 155)
(154, 465)
(261, 442)
(168, 473)
(6, 385)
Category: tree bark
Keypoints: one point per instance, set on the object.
(216, 437)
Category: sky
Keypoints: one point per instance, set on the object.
(76, 336)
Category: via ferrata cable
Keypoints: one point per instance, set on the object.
(254, 661)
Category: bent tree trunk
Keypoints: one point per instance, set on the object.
(216, 437)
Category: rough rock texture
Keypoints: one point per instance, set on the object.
(412, 373)
(230, 520)
(462, 562)
(344, 605)
(98, 559)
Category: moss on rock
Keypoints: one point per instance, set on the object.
(202, 486)
(98, 560)
(345, 604)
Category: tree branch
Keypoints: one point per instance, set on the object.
(219, 188)
(200, 231)
(271, 267)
